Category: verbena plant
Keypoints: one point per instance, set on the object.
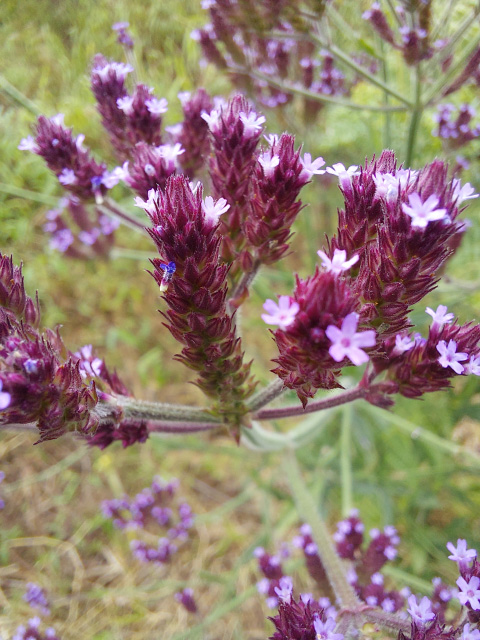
(397, 228)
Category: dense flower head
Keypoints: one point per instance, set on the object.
(129, 118)
(14, 301)
(305, 361)
(455, 126)
(197, 317)
(151, 167)
(156, 510)
(194, 133)
(78, 231)
(278, 178)
(32, 631)
(300, 620)
(430, 363)
(71, 162)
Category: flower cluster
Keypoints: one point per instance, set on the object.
(31, 631)
(454, 125)
(39, 381)
(79, 232)
(154, 507)
(193, 281)
(395, 232)
(242, 39)
(36, 597)
(187, 600)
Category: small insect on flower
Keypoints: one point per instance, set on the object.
(169, 269)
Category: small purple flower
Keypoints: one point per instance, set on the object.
(403, 343)
(467, 192)
(312, 167)
(125, 104)
(268, 163)
(460, 553)
(473, 366)
(157, 106)
(347, 342)
(186, 598)
(213, 210)
(282, 314)
(213, 119)
(325, 630)
(341, 171)
(284, 591)
(252, 123)
(35, 596)
(474, 634)
(150, 205)
(449, 356)
(5, 399)
(469, 592)
(67, 176)
(440, 316)
(339, 261)
(28, 144)
(420, 612)
(422, 213)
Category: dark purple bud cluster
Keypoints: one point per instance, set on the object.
(193, 133)
(261, 37)
(40, 380)
(272, 570)
(67, 157)
(31, 631)
(151, 167)
(395, 233)
(128, 117)
(313, 562)
(186, 232)
(80, 232)
(455, 125)
(36, 597)
(304, 619)
(413, 38)
(153, 508)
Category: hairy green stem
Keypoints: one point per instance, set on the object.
(346, 461)
(326, 403)
(415, 118)
(158, 411)
(266, 395)
(307, 509)
(158, 426)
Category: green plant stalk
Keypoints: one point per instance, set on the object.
(443, 21)
(308, 512)
(311, 95)
(340, 55)
(346, 461)
(28, 195)
(415, 431)
(394, 13)
(387, 137)
(158, 411)
(266, 395)
(415, 119)
(12, 92)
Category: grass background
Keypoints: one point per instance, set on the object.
(405, 469)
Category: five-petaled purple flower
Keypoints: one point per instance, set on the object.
(325, 630)
(420, 612)
(282, 314)
(440, 316)
(469, 592)
(422, 213)
(339, 262)
(449, 356)
(460, 553)
(347, 342)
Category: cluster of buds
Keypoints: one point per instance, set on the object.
(187, 600)
(154, 507)
(455, 125)
(396, 230)
(91, 234)
(36, 597)
(310, 618)
(258, 45)
(44, 383)
(32, 631)
(192, 278)
(363, 573)
(413, 38)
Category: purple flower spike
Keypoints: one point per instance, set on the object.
(35, 596)
(187, 599)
